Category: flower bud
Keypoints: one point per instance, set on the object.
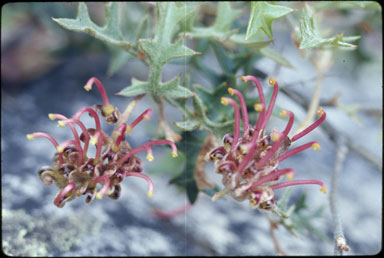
(44, 169)
(227, 139)
(109, 112)
(119, 176)
(47, 177)
(66, 168)
(138, 165)
(268, 205)
(226, 167)
(90, 194)
(216, 154)
(116, 192)
(113, 118)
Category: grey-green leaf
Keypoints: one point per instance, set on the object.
(310, 35)
(188, 125)
(261, 17)
(109, 33)
(174, 90)
(137, 87)
(221, 29)
(275, 56)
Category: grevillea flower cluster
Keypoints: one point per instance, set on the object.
(75, 173)
(248, 161)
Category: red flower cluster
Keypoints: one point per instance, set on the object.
(248, 162)
(77, 174)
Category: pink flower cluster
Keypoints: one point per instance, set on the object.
(75, 173)
(248, 162)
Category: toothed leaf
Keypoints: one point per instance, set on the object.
(262, 16)
(137, 87)
(109, 33)
(174, 90)
(310, 35)
(221, 29)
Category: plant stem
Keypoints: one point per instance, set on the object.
(311, 114)
(340, 242)
(272, 227)
(332, 133)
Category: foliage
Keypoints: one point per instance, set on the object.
(182, 34)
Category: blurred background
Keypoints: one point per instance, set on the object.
(43, 70)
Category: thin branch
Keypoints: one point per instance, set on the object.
(311, 113)
(272, 227)
(340, 241)
(333, 134)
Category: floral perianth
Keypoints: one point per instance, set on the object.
(248, 161)
(75, 173)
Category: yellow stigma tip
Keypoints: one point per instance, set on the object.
(224, 101)
(283, 113)
(30, 137)
(244, 148)
(59, 149)
(60, 124)
(258, 107)
(88, 87)
(316, 146)
(271, 81)
(243, 79)
(51, 116)
(289, 176)
(150, 194)
(174, 154)
(320, 111)
(275, 136)
(323, 190)
(230, 91)
(93, 140)
(150, 158)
